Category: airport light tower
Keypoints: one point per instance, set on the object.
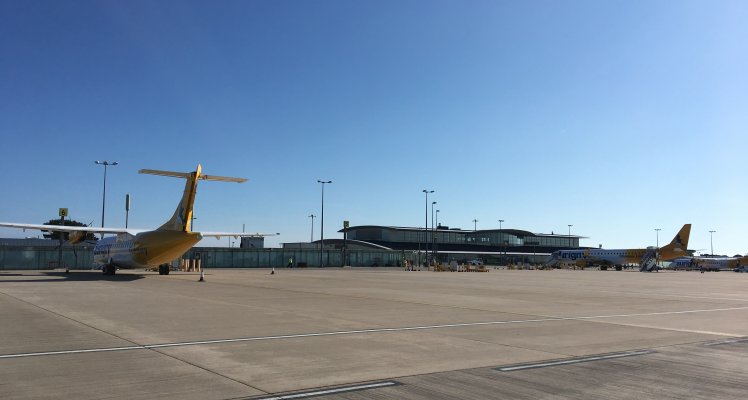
(103, 198)
(322, 223)
(425, 238)
(711, 241)
(500, 235)
(570, 225)
(475, 225)
(436, 246)
(657, 254)
(431, 239)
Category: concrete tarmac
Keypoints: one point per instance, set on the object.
(312, 332)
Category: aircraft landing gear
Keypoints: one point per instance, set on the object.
(109, 269)
(163, 269)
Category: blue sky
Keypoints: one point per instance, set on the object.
(618, 117)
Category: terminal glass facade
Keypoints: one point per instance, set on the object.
(488, 238)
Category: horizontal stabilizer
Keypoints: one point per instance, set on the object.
(186, 175)
(165, 173)
(222, 178)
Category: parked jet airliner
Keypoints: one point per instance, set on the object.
(646, 258)
(143, 249)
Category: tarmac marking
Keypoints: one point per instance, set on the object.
(690, 297)
(331, 391)
(575, 360)
(353, 332)
(727, 341)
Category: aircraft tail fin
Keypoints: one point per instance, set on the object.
(678, 247)
(182, 218)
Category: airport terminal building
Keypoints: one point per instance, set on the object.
(498, 245)
(494, 246)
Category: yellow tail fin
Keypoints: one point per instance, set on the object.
(678, 247)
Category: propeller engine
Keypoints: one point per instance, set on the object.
(77, 237)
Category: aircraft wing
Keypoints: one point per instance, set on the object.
(235, 235)
(65, 228)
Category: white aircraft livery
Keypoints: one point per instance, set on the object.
(710, 263)
(646, 258)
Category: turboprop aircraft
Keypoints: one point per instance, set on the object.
(646, 258)
(147, 249)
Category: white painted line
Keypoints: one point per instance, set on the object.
(51, 353)
(727, 341)
(330, 391)
(359, 331)
(575, 360)
(655, 313)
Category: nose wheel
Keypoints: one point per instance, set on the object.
(163, 269)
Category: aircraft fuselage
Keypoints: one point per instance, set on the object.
(146, 249)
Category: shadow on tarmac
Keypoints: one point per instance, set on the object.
(61, 276)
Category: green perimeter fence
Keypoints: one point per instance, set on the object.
(45, 257)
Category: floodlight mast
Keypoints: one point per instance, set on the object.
(322, 224)
(103, 197)
(426, 230)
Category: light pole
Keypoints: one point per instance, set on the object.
(103, 197)
(312, 216)
(501, 235)
(475, 225)
(431, 239)
(711, 242)
(425, 237)
(570, 225)
(657, 246)
(322, 223)
(436, 232)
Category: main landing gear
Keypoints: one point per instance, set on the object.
(163, 269)
(109, 269)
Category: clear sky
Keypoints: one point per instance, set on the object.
(618, 117)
